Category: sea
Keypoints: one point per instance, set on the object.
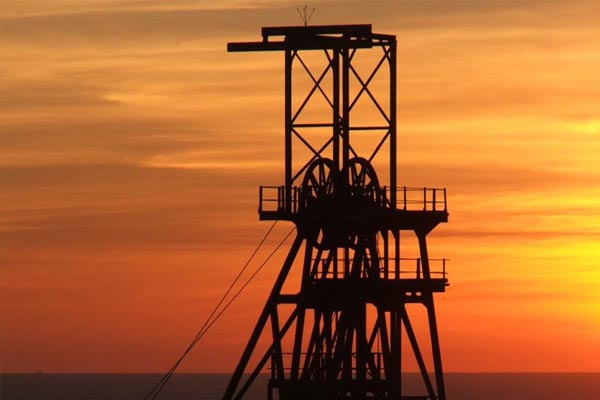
(459, 386)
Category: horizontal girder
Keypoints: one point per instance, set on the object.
(317, 37)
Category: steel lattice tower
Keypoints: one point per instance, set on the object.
(344, 335)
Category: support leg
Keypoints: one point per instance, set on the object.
(262, 320)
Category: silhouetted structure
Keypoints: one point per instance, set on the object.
(340, 335)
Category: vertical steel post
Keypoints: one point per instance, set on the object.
(428, 302)
(395, 367)
(424, 255)
(289, 59)
(336, 118)
(393, 131)
(345, 108)
(435, 348)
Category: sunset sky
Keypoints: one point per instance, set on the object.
(132, 146)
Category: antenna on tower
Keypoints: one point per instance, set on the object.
(305, 15)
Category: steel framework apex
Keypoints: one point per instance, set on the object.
(350, 92)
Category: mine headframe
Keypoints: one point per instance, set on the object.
(341, 334)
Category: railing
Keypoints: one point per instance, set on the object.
(270, 198)
(322, 359)
(391, 268)
(426, 199)
(273, 199)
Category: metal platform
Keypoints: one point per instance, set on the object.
(414, 208)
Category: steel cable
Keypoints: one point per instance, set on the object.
(208, 323)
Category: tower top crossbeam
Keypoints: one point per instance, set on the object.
(319, 37)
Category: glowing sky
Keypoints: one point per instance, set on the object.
(132, 146)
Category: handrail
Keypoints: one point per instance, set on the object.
(375, 357)
(391, 268)
(430, 199)
(272, 199)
